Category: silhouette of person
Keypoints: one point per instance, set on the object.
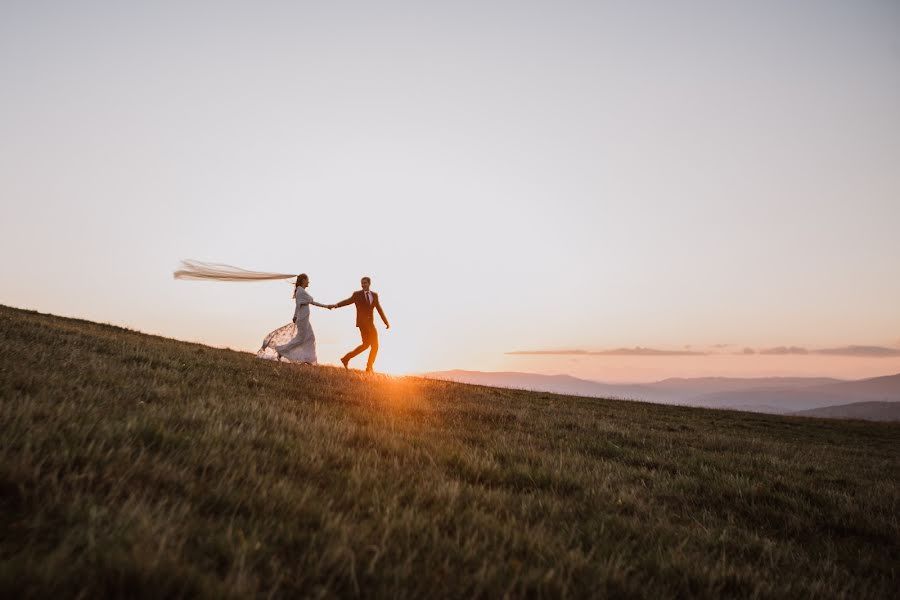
(367, 303)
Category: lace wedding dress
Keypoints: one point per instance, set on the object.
(294, 342)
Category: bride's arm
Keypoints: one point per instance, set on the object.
(314, 303)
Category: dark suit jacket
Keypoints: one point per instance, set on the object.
(365, 312)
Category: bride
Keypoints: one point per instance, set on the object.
(294, 342)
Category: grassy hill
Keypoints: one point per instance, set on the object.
(138, 466)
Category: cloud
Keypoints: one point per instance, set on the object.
(860, 351)
(780, 350)
(868, 351)
(853, 351)
(636, 351)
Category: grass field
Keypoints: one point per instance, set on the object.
(138, 466)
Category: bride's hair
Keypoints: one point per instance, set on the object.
(300, 279)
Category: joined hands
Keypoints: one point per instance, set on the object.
(333, 306)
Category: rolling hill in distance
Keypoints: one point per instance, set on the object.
(872, 411)
(136, 466)
(775, 395)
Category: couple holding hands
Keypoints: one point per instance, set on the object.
(296, 342)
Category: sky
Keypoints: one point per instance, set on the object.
(621, 191)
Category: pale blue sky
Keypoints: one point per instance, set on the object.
(513, 175)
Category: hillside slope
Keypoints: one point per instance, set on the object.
(137, 466)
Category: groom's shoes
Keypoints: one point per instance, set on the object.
(344, 361)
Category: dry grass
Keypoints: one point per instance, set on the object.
(138, 466)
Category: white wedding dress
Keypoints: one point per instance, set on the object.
(294, 342)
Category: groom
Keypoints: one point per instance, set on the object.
(366, 303)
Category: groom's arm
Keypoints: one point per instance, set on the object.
(381, 312)
(346, 302)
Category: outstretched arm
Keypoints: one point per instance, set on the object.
(346, 302)
(328, 306)
(381, 312)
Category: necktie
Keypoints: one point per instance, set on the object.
(369, 300)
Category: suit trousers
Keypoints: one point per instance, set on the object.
(369, 340)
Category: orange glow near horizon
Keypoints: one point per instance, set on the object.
(620, 369)
(415, 349)
(414, 354)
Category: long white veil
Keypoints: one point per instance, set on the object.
(195, 269)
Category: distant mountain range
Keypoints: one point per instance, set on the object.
(877, 398)
(872, 411)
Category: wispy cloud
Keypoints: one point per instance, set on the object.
(852, 351)
(862, 351)
(636, 351)
(870, 351)
(784, 350)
